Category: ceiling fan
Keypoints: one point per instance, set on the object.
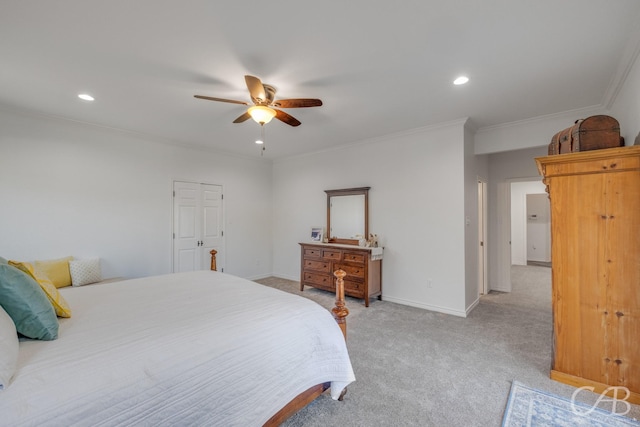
(263, 97)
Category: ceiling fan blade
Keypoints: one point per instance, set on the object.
(256, 89)
(243, 118)
(297, 103)
(210, 98)
(287, 118)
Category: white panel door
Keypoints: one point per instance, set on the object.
(212, 234)
(186, 227)
(197, 225)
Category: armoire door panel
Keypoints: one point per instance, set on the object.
(575, 266)
(623, 297)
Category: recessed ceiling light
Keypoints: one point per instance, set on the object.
(258, 141)
(86, 97)
(461, 80)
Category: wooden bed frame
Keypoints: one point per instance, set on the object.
(340, 313)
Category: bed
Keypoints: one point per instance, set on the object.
(197, 348)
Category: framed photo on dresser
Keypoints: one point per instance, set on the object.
(317, 234)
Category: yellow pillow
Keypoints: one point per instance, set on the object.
(57, 270)
(59, 304)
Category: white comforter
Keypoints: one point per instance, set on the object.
(201, 348)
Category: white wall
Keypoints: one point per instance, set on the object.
(80, 190)
(472, 296)
(626, 106)
(416, 206)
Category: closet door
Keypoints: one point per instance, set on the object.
(211, 231)
(197, 225)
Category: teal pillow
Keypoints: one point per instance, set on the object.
(27, 304)
(3, 261)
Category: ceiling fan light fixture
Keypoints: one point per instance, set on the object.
(261, 114)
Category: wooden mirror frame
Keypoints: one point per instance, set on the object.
(348, 192)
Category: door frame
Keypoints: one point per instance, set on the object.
(483, 215)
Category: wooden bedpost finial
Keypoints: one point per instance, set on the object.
(213, 259)
(340, 312)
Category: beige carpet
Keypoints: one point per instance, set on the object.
(420, 368)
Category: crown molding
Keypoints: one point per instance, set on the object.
(142, 136)
(463, 122)
(579, 112)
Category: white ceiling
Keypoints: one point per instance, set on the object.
(379, 67)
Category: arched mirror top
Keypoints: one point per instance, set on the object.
(347, 215)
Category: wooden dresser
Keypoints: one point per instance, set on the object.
(595, 253)
(364, 270)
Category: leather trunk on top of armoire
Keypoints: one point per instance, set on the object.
(592, 133)
(595, 252)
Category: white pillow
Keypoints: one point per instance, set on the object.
(85, 271)
(9, 346)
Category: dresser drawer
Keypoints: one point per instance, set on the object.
(313, 253)
(322, 266)
(351, 257)
(354, 289)
(322, 280)
(334, 255)
(353, 271)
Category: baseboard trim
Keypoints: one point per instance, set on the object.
(430, 307)
(260, 276)
(472, 306)
(284, 276)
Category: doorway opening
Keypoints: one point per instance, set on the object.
(513, 227)
(530, 223)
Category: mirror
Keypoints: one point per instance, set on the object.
(347, 214)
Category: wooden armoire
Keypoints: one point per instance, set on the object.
(595, 253)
